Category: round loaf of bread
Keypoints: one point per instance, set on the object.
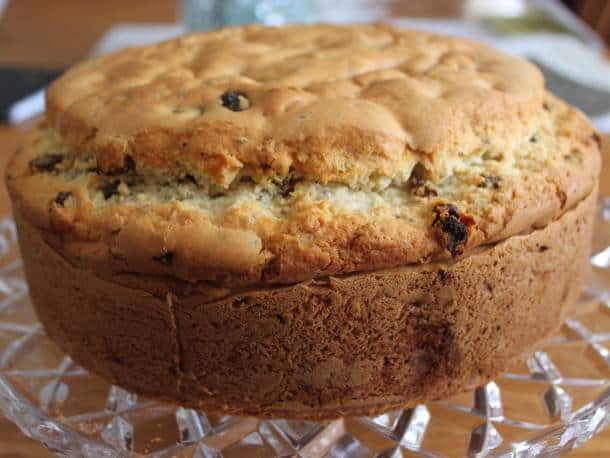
(304, 221)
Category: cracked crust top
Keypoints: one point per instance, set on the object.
(256, 155)
(346, 104)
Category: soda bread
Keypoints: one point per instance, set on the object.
(304, 221)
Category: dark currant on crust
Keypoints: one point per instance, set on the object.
(61, 197)
(129, 165)
(452, 227)
(110, 188)
(188, 178)
(235, 100)
(46, 162)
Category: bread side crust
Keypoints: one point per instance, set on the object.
(350, 345)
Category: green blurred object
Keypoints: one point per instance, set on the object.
(534, 20)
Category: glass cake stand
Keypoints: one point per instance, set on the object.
(553, 402)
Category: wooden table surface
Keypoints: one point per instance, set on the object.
(56, 34)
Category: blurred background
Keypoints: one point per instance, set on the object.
(40, 38)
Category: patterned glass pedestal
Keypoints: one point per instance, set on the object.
(554, 402)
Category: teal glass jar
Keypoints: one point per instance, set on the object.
(206, 14)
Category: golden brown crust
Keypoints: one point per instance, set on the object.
(254, 234)
(356, 344)
(304, 221)
(333, 103)
(252, 156)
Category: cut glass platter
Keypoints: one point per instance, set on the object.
(552, 402)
